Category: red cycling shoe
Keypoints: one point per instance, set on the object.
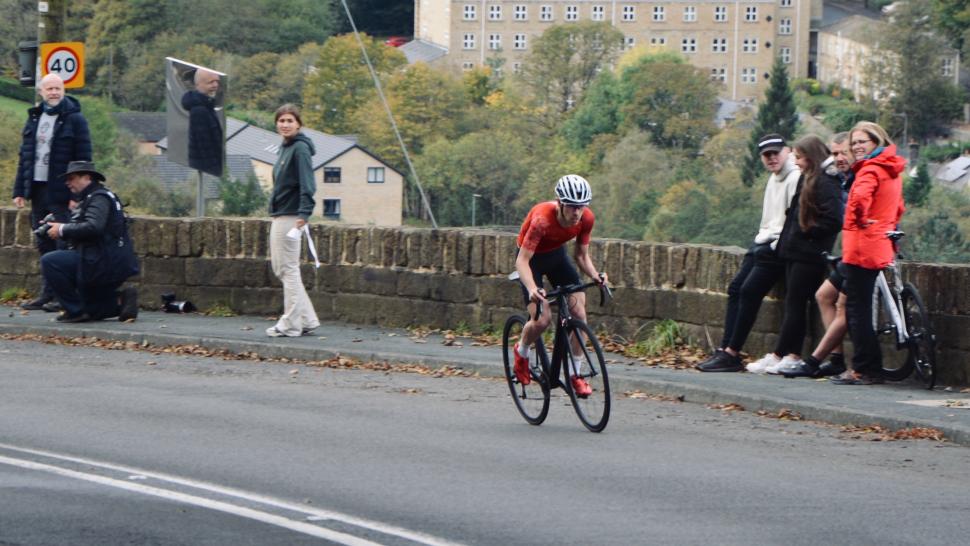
(521, 367)
(581, 387)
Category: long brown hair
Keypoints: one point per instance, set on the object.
(814, 150)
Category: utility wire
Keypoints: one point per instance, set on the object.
(390, 116)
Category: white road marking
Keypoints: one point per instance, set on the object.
(315, 514)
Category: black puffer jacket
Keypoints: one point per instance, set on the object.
(205, 133)
(71, 142)
(807, 246)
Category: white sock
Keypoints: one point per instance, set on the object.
(523, 350)
(577, 364)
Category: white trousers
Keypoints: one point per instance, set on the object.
(298, 313)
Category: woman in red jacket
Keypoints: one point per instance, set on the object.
(874, 207)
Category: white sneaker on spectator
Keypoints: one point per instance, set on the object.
(763, 363)
(788, 363)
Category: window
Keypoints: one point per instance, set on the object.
(688, 45)
(599, 13)
(331, 175)
(690, 14)
(719, 74)
(469, 13)
(545, 13)
(784, 25)
(495, 13)
(521, 13)
(629, 13)
(331, 208)
(375, 175)
(749, 75)
(467, 66)
(749, 45)
(468, 41)
(494, 41)
(572, 13)
(516, 67)
(629, 42)
(786, 3)
(947, 66)
(785, 54)
(719, 45)
(658, 41)
(519, 41)
(720, 14)
(751, 14)
(658, 13)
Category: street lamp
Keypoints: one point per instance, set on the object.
(474, 197)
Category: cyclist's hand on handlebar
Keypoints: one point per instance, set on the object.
(537, 295)
(602, 279)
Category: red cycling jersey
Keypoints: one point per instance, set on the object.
(542, 232)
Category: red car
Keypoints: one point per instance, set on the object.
(397, 41)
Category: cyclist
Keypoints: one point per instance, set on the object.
(542, 251)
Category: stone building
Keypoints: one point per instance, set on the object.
(736, 41)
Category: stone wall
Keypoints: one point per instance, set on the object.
(443, 278)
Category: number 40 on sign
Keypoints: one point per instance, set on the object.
(65, 59)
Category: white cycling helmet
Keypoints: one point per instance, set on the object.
(573, 189)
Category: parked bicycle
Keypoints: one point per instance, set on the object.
(575, 353)
(898, 311)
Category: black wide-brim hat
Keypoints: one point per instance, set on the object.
(83, 167)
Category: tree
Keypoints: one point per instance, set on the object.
(256, 85)
(909, 73)
(597, 114)
(674, 102)
(776, 114)
(681, 215)
(241, 197)
(341, 83)
(917, 188)
(379, 17)
(953, 18)
(19, 22)
(938, 239)
(427, 104)
(565, 59)
(488, 163)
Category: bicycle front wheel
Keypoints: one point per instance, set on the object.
(922, 340)
(895, 367)
(531, 400)
(587, 365)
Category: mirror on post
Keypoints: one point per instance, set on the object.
(196, 120)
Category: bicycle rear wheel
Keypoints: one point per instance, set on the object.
(531, 400)
(588, 365)
(922, 340)
(895, 367)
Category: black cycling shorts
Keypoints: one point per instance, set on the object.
(837, 276)
(555, 265)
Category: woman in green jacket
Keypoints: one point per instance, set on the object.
(290, 206)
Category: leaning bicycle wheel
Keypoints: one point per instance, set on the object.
(531, 400)
(588, 365)
(922, 339)
(895, 366)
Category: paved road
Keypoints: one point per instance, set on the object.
(109, 447)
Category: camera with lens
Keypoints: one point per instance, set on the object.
(171, 305)
(41, 231)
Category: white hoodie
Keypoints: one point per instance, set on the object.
(778, 194)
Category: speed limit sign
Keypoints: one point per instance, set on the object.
(65, 59)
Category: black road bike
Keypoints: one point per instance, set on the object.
(532, 400)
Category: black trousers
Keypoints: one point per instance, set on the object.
(40, 207)
(760, 270)
(801, 282)
(858, 286)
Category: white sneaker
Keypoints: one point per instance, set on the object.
(787, 364)
(762, 364)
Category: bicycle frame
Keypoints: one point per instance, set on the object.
(892, 303)
(560, 346)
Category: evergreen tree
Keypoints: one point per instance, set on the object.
(917, 188)
(241, 198)
(776, 115)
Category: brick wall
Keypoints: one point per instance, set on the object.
(410, 276)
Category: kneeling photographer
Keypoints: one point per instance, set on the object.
(85, 278)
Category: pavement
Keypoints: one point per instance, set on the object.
(894, 406)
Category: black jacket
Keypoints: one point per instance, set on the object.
(807, 246)
(91, 219)
(205, 133)
(71, 142)
(99, 233)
